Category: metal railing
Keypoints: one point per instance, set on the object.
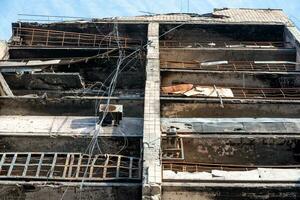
(53, 38)
(69, 166)
(48, 18)
(231, 66)
(221, 44)
(256, 93)
(207, 167)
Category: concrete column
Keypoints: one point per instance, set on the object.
(4, 88)
(292, 35)
(3, 50)
(152, 171)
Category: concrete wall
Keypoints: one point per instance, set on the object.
(197, 109)
(242, 151)
(29, 192)
(214, 33)
(203, 55)
(3, 50)
(48, 81)
(64, 106)
(292, 35)
(110, 145)
(230, 192)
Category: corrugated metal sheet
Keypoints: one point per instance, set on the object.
(232, 15)
(253, 15)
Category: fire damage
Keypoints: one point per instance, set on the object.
(169, 106)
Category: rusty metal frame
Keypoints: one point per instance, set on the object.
(53, 38)
(221, 44)
(256, 93)
(231, 66)
(69, 166)
(207, 167)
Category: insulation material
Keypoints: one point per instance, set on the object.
(177, 89)
(259, 174)
(209, 91)
(279, 174)
(168, 174)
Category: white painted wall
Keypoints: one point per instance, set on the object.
(3, 50)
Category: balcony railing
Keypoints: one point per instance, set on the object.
(231, 66)
(69, 166)
(221, 44)
(53, 38)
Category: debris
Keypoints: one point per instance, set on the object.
(177, 89)
(209, 91)
(214, 63)
(110, 114)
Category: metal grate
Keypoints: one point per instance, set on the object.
(53, 38)
(231, 66)
(221, 44)
(69, 166)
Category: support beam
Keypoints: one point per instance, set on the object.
(152, 135)
(4, 88)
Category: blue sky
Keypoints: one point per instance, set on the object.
(10, 9)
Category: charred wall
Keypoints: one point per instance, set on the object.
(109, 145)
(196, 32)
(229, 192)
(65, 106)
(242, 151)
(231, 79)
(197, 109)
(39, 192)
(205, 55)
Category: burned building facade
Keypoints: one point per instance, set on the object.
(173, 106)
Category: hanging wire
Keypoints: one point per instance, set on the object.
(110, 89)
